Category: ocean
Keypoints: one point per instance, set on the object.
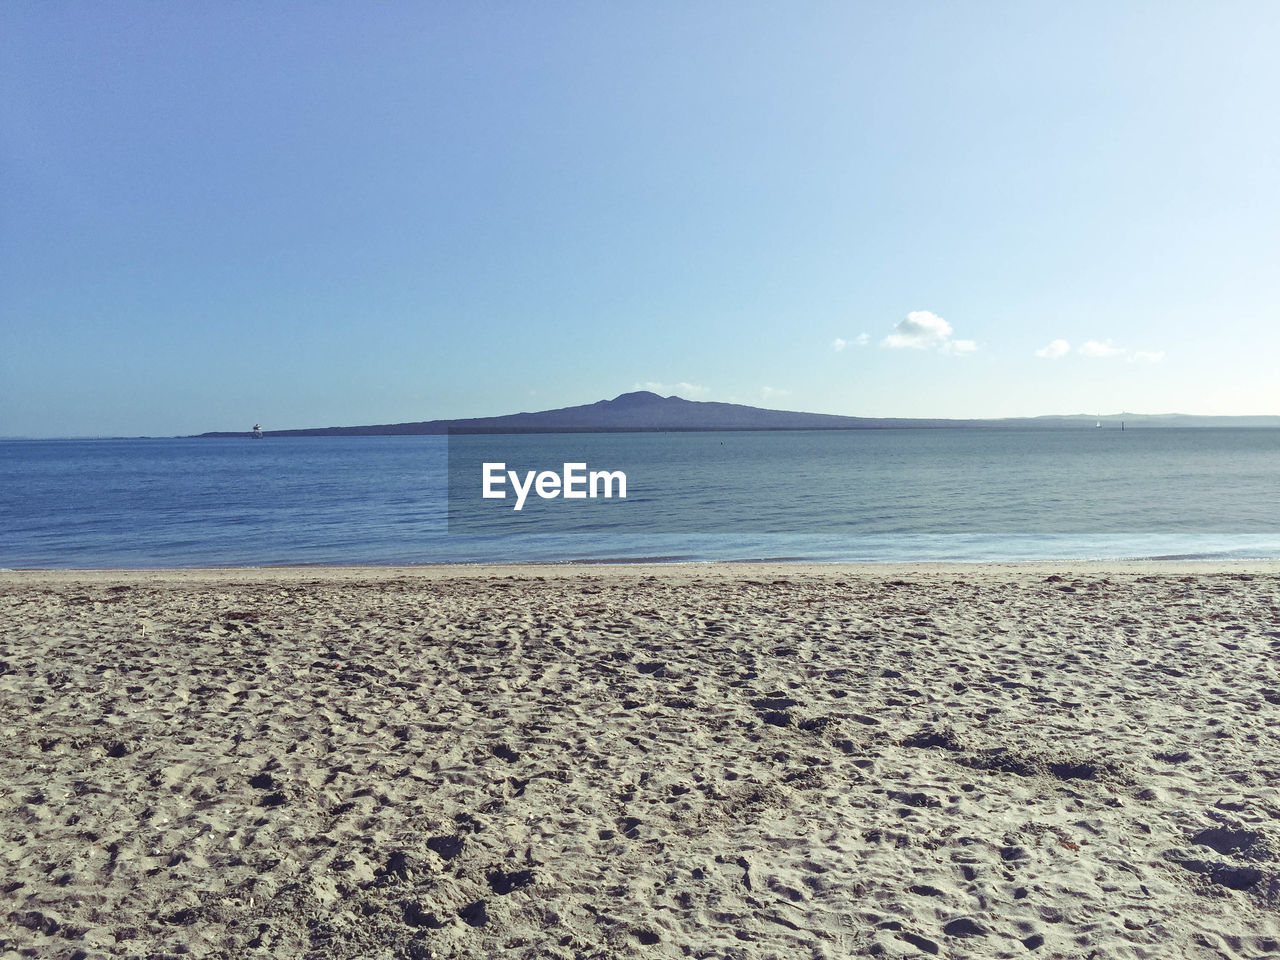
(866, 495)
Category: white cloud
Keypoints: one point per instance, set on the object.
(1055, 350)
(681, 389)
(922, 330)
(1100, 348)
(919, 330)
(773, 393)
(958, 348)
(861, 340)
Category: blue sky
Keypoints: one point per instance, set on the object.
(322, 213)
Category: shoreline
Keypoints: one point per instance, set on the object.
(806, 568)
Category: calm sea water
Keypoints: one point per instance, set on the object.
(850, 495)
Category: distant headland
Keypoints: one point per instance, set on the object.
(643, 411)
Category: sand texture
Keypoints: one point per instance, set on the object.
(687, 761)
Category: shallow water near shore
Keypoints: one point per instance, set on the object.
(882, 496)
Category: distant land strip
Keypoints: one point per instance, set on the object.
(642, 412)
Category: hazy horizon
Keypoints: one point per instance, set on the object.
(217, 216)
(318, 426)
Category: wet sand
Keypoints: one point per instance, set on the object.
(751, 761)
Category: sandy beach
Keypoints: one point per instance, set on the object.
(728, 761)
